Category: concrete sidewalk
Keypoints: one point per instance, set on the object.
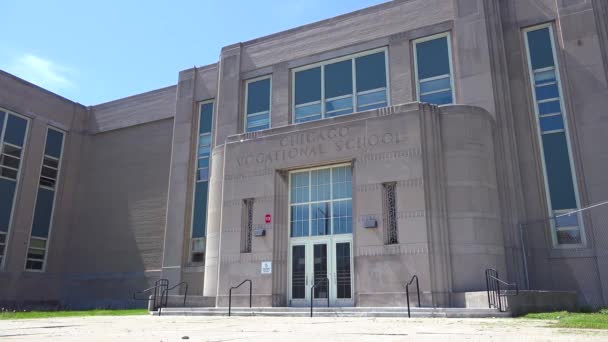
(287, 329)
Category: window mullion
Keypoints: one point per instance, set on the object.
(354, 85)
(323, 91)
(331, 201)
(4, 124)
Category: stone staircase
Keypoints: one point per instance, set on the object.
(336, 312)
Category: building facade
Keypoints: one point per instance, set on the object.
(409, 138)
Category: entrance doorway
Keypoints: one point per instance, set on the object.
(327, 262)
(321, 242)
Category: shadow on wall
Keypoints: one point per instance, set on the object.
(116, 242)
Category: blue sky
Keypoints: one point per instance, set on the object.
(96, 51)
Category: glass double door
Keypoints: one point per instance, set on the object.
(325, 261)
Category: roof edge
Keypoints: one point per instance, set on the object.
(30, 84)
(366, 10)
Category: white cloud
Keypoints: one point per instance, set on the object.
(42, 72)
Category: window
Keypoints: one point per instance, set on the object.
(321, 201)
(257, 100)
(389, 209)
(340, 86)
(247, 226)
(13, 130)
(433, 66)
(45, 201)
(552, 128)
(201, 187)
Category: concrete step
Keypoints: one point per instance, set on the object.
(337, 312)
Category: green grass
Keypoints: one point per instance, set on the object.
(597, 320)
(55, 314)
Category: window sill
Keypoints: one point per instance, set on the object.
(194, 268)
(571, 252)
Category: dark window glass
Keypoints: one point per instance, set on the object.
(199, 221)
(433, 58)
(206, 118)
(338, 79)
(258, 96)
(8, 173)
(15, 130)
(35, 254)
(549, 107)
(54, 140)
(371, 72)
(320, 270)
(7, 192)
(13, 151)
(298, 272)
(50, 162)
(49, 173)
(203, 174)
(541, 52)
(47, 182)
(33, 265)
(198, 257)
(42, 214)
(343, 271)
(308, 86)
(559, 175)
(569, 236)
(10, 161)
(547, 92)
(551, 123)
(203, 163)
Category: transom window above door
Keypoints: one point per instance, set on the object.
(321, 201)
(340, 86)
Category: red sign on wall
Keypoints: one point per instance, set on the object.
(267, 219)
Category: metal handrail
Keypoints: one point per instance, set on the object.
(493, 283)
(160, 283)
(164, 296)
(312, 289)
(407, 293)
(236, 287)
(505, 293)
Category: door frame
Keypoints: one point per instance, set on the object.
(309, 242)
(334, 300)
(331, 240)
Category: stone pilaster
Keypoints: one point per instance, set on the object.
(436, 206)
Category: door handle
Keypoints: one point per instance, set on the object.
(306, 280)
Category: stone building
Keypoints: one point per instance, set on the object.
(406, 138)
